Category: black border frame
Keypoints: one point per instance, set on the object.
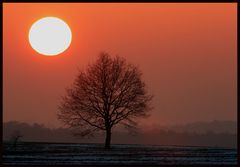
(118, 1)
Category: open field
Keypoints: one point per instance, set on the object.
(94, 154)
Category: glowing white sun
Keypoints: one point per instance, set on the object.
(50, 36)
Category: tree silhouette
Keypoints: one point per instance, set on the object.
(108, 93)
(15, 137)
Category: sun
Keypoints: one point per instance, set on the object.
(50, 36)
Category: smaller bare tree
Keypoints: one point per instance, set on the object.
(15, 138)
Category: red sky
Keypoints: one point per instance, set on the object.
(187, 53)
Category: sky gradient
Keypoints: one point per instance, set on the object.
(187, 53)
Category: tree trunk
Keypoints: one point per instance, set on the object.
(108, 138)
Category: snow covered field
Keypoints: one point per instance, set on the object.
(94, 154)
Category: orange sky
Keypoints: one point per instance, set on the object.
(187, 53)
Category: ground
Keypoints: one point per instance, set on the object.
(95, 154)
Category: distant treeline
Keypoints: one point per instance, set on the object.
(215, 133)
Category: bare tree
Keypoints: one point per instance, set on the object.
(15, 137)
(108, 93)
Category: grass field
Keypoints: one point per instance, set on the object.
(94, 154)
